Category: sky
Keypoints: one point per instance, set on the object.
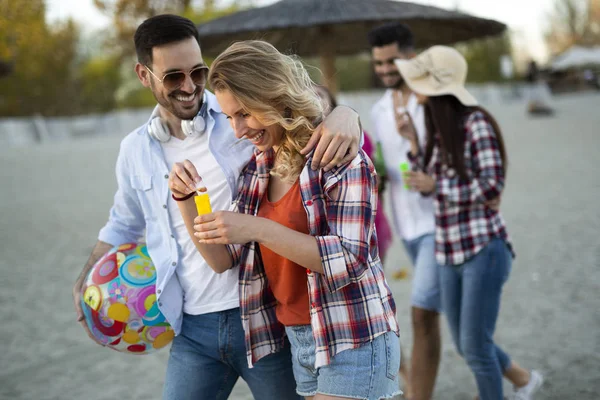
(526, 18)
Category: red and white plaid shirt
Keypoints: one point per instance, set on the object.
(464, 224)
(350, 303)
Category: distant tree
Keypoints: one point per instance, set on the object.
(99, 79)
(573, 22)
(43, 61)
(128, 14)
(352, 72)
(5, 68)
(137, 97)
(483, 57)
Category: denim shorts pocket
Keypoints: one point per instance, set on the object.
(392, 354)
(303, 346)
(306, 350)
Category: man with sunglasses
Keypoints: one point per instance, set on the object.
(208, 353)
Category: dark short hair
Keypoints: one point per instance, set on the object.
(392, 33)
(330, 97)
(160, 30)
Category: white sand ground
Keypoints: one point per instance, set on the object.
(55, 197)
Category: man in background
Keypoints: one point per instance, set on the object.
(412, 213)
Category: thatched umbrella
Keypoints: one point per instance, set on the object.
(327, 28)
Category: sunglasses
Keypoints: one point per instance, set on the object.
(174, 80)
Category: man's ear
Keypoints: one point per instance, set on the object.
(142, 74)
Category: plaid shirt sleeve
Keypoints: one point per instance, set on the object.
(487, 181)
(235, 250)
(350, 217)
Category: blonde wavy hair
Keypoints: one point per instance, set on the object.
(274, 88)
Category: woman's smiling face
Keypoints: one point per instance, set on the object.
(248, 126)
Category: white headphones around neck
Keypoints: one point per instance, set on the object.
(159, 130)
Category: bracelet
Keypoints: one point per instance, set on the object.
(184, 198)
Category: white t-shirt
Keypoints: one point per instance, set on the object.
(413, 213)
(204, 290)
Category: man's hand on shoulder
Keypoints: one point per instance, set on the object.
(337, 139)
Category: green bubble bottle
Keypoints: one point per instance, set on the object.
(404, 168)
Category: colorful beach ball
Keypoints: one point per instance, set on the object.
(119, 302)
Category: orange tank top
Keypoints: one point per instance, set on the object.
(287, 279)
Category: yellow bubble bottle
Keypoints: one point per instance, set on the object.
(203, 203)
(400, 274)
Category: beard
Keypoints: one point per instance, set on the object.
(399, 83)
(170, 103)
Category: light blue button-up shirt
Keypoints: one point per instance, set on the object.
(141, 200)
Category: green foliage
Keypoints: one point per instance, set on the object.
(137, 98)
(43, 61)
(48, 76)
(353, 72)
(483, 57)
(204, 15)
(99, 80)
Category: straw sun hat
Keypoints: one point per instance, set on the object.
(437, 71)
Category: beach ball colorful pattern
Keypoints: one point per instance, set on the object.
(119, 302)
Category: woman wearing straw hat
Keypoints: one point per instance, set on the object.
(464, 168)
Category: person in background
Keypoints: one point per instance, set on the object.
(304, 239)
(463, 168)
(536, 90)
(590, 77)
(413, 214)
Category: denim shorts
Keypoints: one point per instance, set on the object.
(368, 372)
(426, 278)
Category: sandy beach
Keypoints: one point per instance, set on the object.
(55, 197)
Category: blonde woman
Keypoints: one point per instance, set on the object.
(304, 239)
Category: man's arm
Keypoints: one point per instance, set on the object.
(126, 224)
(337, 139)
(184, 180)
(100, 249)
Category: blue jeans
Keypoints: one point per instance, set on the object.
(210, 354)
(426, 279)
(367, 372)
(471, 301)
